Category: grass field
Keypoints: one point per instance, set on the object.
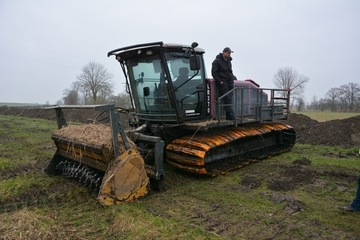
(34, 205)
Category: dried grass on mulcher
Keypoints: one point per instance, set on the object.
(92, 134)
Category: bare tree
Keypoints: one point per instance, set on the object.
(95, 81)
(332, 97)
(71, 96)
(288, 78)
(323, 105)
(349, 95)
(300, 104)
(314, 105)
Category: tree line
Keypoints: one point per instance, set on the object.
(345, 98)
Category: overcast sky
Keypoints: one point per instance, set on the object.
(44, 44)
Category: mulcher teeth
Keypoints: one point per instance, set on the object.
(88, 177)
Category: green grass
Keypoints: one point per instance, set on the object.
(5, 163)
(34, 205)
(25, 140)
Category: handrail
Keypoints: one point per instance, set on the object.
(263, 110)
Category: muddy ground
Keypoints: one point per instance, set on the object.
(344, 133)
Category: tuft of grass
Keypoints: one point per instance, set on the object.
(5, 163)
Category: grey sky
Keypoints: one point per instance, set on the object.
(44, 44)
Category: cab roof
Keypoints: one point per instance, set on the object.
(153, 44)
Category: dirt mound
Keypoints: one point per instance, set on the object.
(344, 133)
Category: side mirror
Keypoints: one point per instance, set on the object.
(146, 91)
(195, 62)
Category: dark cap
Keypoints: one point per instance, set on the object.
(227, 49)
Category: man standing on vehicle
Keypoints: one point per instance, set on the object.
(222, 73)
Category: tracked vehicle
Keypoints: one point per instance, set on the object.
(177, 116)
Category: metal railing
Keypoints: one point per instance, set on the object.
(255, 104)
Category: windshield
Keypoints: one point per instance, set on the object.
(149, 85)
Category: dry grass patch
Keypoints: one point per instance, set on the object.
(25, 224)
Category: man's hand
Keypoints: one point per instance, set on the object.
(223, 88)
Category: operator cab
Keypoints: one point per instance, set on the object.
(167, 82)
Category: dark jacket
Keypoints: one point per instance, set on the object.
(222, 70)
